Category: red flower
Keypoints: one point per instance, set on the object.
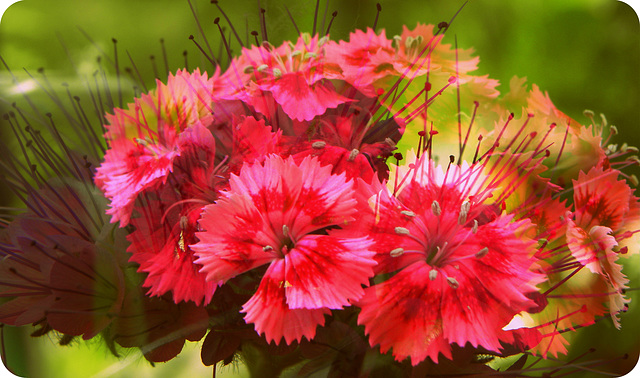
(276, 214)
(165, 221)
(463, 268)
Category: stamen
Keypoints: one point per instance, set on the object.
(333, 17)
(184, 222)
(482, 253)
(474, 229)
(319, 144)
(433, 274)
(464, 210)
(285, 230)
(379, 9)
(453, 282)
(396, 252)
(401, 231)
(353, 154)
(408, 213)
(435, 208)
(267, 248)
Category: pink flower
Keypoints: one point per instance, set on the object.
(462, 267)
(291, 74)
(144, 139)
(165, 220)
(277, 213)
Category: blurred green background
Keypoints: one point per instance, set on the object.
(585, 53)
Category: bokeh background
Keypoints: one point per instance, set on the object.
(585, 53)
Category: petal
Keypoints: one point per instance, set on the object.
(292, 90)
(403, 313)
(232, 240)
(324, 271)
(268, 310)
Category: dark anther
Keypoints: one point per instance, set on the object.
(48, 115)
(254, 33)
(451, 159)
(214, 1)
(33, 167)
(379, 7)
(190, 37)
(40, 69)
(422, 133)
(114, 40)
(29, 143)
(184, 53)
(335, 13)
(76, 98)
(397, 156)
(216, 21)
(443, 25)
(591, 350)
(262, 10)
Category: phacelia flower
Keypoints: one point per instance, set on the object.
(278, 213)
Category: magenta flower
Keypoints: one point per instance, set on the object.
(278, 214)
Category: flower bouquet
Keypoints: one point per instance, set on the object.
(362, 207)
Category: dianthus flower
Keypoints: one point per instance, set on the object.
(290, 75)
(144, 139)
(276, 213)
(461, 267)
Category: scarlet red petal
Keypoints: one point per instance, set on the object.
(324, 271)
(403, 313)
(268, 310)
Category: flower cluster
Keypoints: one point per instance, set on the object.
(330, 201)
